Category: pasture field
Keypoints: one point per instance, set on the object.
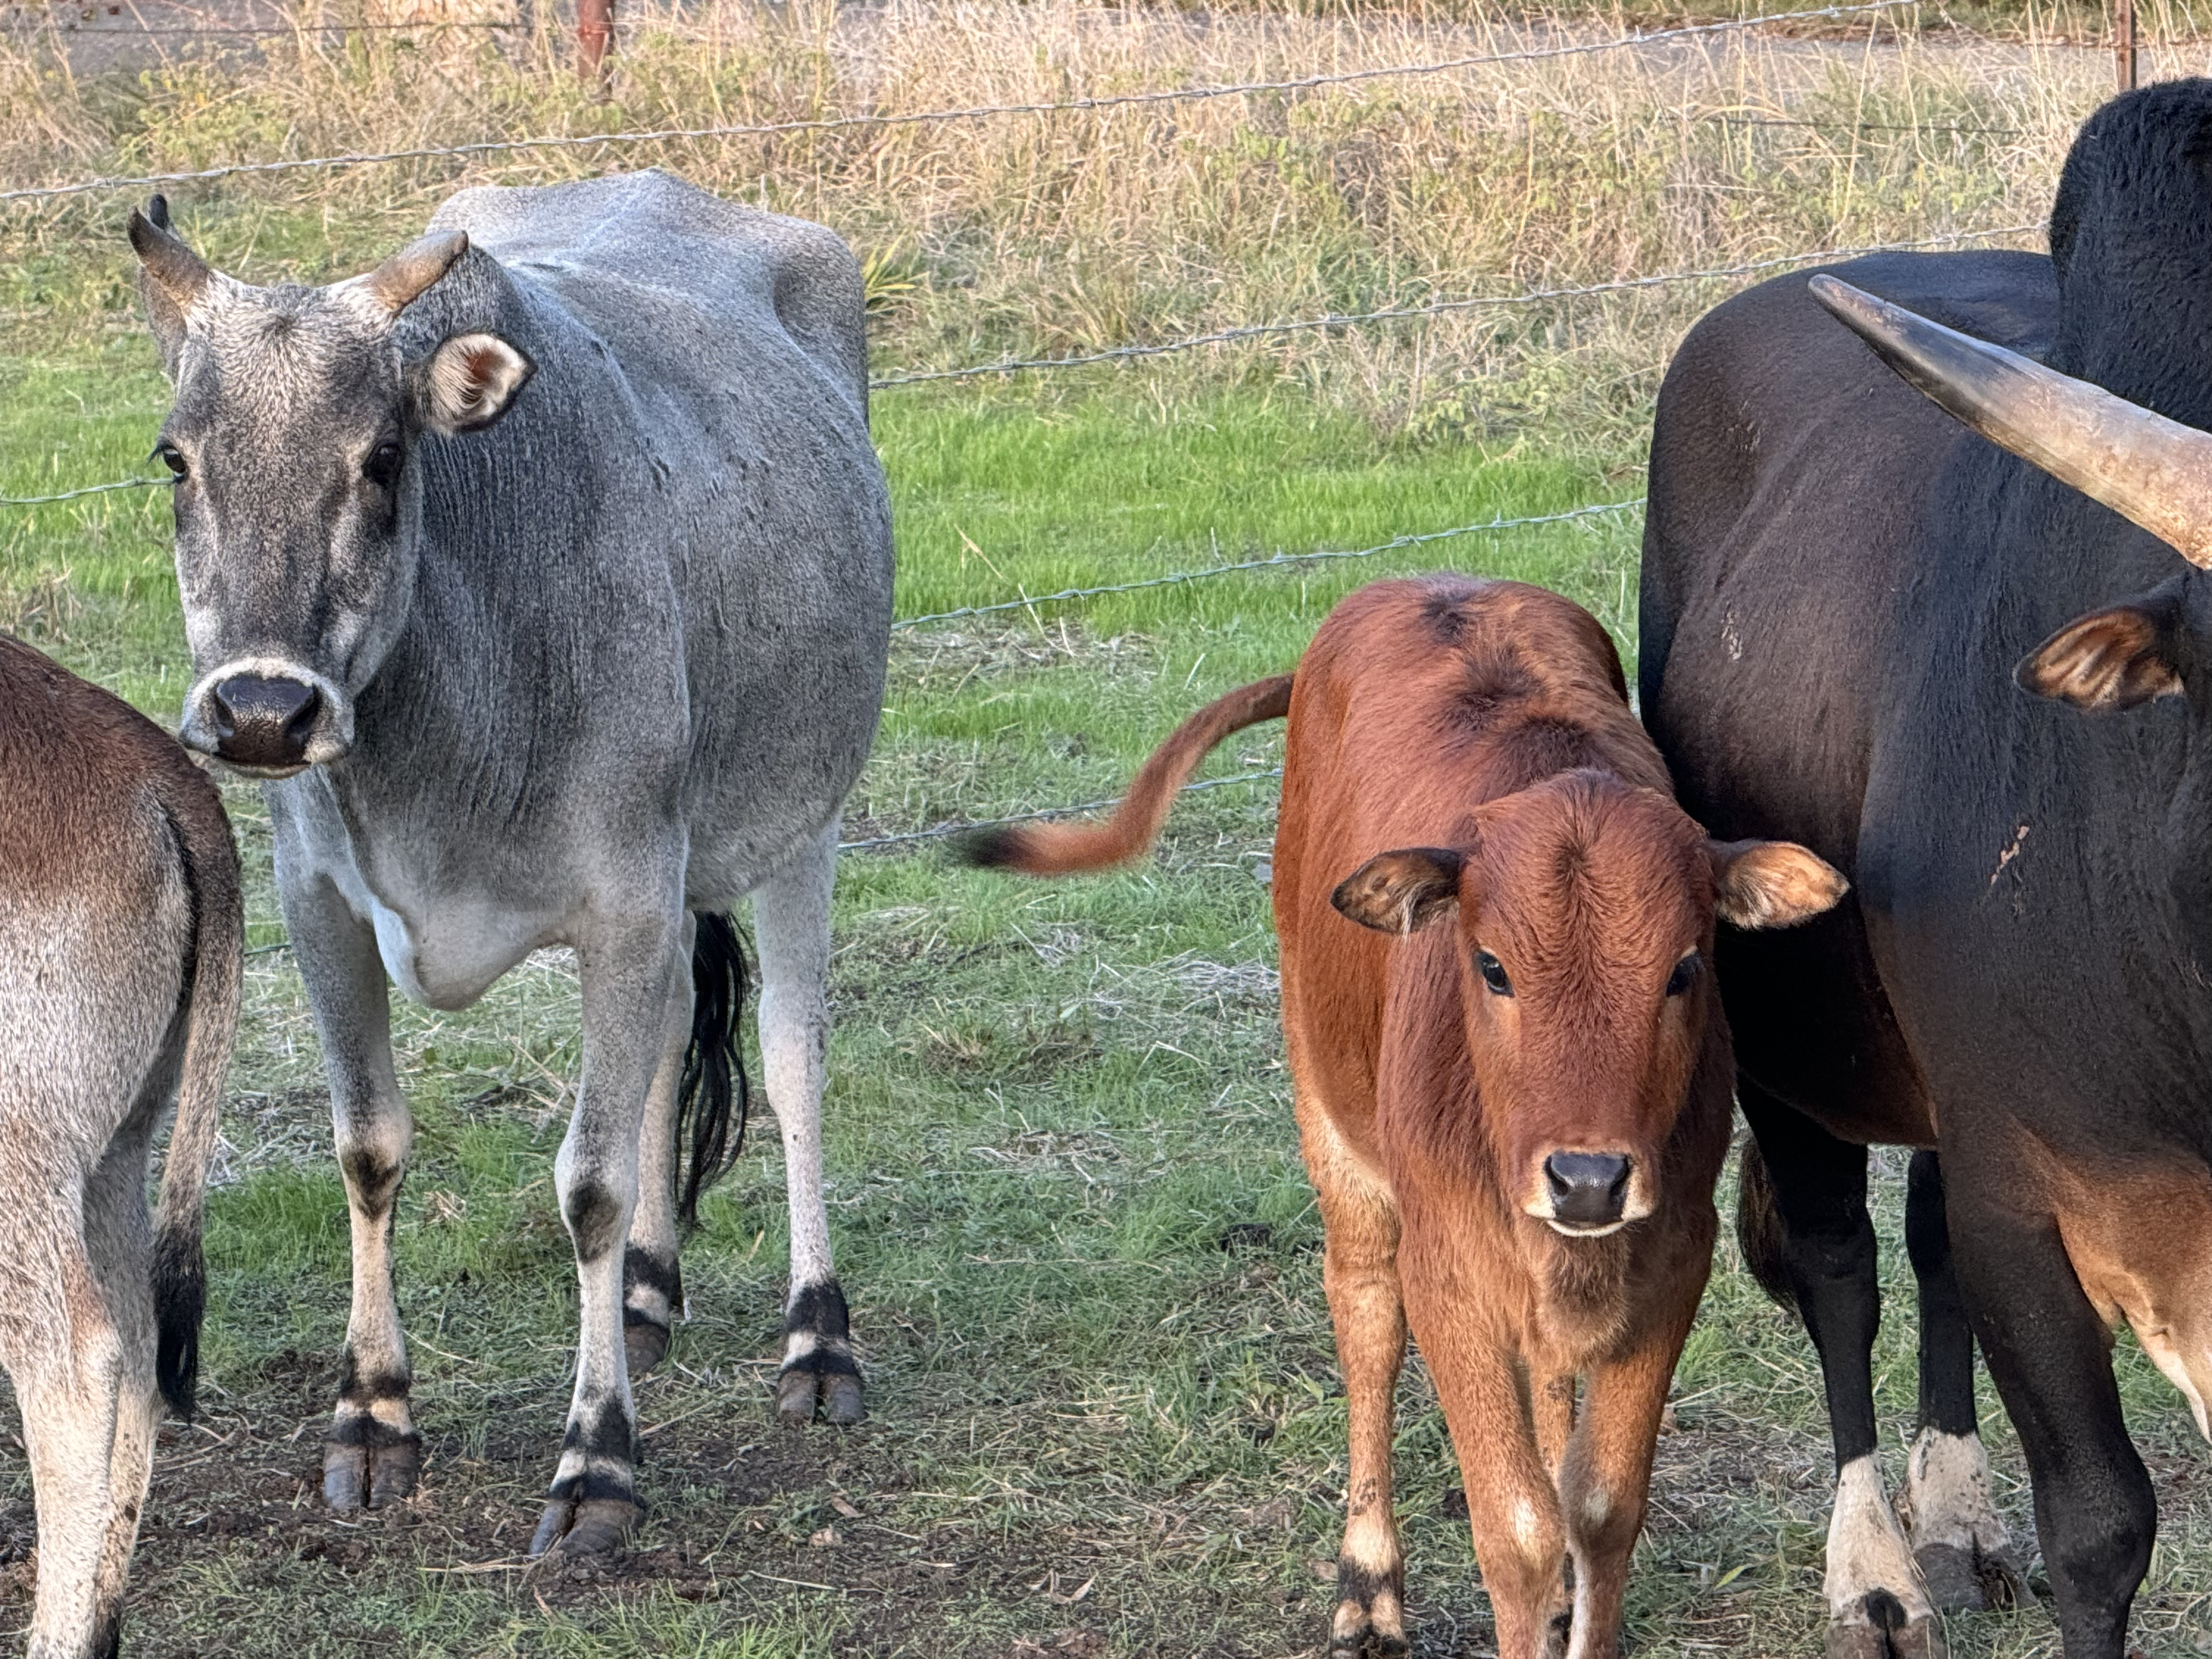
(1065, 1191)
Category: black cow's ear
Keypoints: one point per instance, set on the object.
(2115, 658)
(1400, 892)
(1771, 883)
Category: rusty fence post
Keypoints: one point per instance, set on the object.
(595, 32)
(2124, 42)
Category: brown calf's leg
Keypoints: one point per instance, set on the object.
(1360, 1273)
(1552, 1407)
(1604, 1482)
(1513, 1508)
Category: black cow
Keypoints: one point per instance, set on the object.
(1862, 626)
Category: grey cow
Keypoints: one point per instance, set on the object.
(545, 571)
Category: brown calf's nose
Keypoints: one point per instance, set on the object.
(264, 722)
(1589, 1189)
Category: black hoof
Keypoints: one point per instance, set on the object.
(815, 1381)
(1370, 1621)
(1876, 1626)
(1962, 1580)
(367, 1464)
(590, 1526)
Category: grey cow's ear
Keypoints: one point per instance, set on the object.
(173, 280)
(1771, 883)
(470, 382)
(2112, 660)
(1401, 892)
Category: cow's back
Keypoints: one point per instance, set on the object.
(1791, 472)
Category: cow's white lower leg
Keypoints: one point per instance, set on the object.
(791, 918)
(1965, 1554)
(627, 973)
(653, 1282)
(1878, 1608)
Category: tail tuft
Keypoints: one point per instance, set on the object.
(1759, 1233)
(1007, 847)
(712, 1099)
(179, 1304)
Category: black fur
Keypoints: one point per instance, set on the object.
(821, 1309)
(609, 1434)
(1758, 1231)
(713, 1100)
(179, 1303)
(357, 1389)
(594, 1217)
(990, 849)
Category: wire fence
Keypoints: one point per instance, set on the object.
(985, 112)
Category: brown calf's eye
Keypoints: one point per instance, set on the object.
(382, 466)
(1494, 973)
(1685, 974)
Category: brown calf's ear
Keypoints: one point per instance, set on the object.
(2112, 660)
(470, 381)
(1771, 883)
(1400, 892)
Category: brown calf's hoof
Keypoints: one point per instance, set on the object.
(590, 1526)
(1876, 1626)
(816, 1380)
(1370, 1621)
(367, 1464)
(1960, 1580)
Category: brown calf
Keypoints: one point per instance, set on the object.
(119, 945)
(1514, 1122)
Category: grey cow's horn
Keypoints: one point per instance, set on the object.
(180, 273)
(2153, 471)
(407, 274)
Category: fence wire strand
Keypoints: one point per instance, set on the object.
(838, 123)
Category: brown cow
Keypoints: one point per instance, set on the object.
(1514, 1122)
(119, 945)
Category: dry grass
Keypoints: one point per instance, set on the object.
(1031, 233)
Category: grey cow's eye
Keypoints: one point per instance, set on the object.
(1685, 974)
(382, 466)
(171, 457)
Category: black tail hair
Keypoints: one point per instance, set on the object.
(179, 1304)
(711, 1101)
(1759, 1233)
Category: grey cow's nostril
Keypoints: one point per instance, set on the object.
(1589, 1189)
(264, 722)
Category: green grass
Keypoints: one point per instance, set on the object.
(1065, 1189)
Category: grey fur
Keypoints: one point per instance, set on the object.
(578, 672)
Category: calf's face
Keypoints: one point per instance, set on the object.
(298, 501)
(1584, 913)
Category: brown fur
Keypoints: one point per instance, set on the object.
(120, 933)
(1465, 748)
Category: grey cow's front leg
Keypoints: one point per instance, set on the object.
(628, 974)
(373, 1455)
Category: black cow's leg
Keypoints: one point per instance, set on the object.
(1878, 1608)
(1958, 1538)
(373, 1455)
(627, 981)
(2095, 1514)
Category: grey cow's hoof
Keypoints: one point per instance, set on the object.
(367, 1464)
(590, 1526)
(1960, 1580)
(645, 1343)
(816, 1381)
(1877, 1627)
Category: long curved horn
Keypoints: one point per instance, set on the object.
(181, 274)
(2153, 471)
(408, 274)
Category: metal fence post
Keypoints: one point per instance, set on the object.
(2124, 42)
(595, 32)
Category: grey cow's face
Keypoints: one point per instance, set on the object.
(298, 503)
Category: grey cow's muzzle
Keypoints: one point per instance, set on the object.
(267, 717)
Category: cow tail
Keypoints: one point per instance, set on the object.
(209, 859)
(1055, 849)
(712, 1100)
(1759, 1233)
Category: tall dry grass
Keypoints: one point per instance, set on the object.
(1025, 233)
